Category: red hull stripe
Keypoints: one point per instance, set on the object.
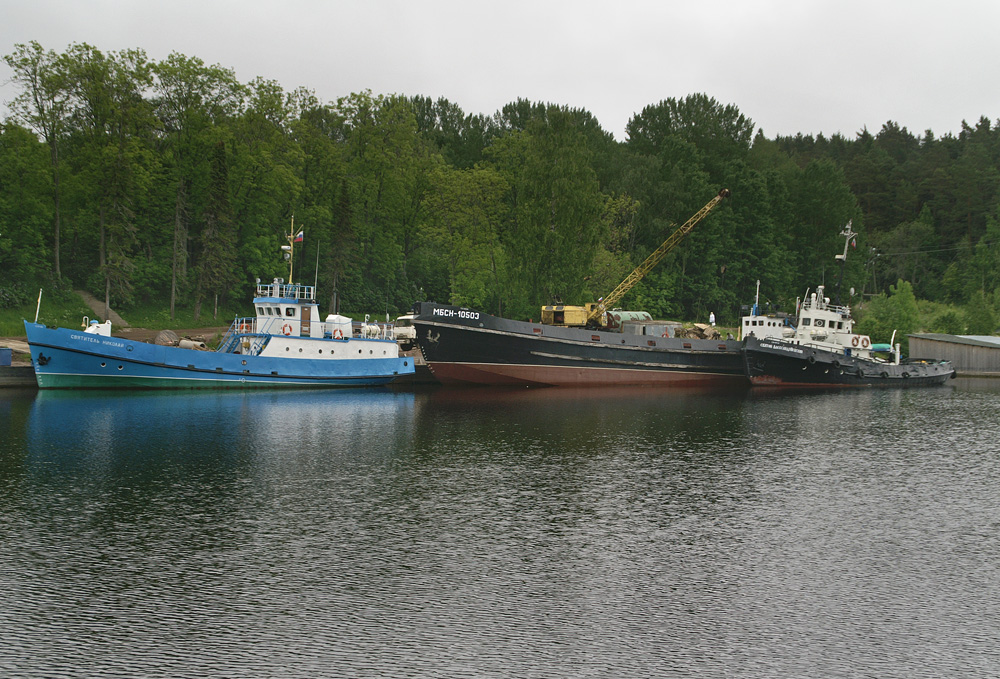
(535, 375)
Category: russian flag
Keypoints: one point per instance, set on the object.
(299, 237)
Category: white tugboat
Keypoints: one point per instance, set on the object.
(819, 348)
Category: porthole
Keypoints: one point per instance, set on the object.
(120, 367)
(288, 348)
(103, 364)
(244, 362)
(300, 350)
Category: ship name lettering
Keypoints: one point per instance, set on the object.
(460, 313)
(781, 348)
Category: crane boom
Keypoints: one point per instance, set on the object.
(654, 259)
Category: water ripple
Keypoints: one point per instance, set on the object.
(493, 534)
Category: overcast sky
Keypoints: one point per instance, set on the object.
(789, 65)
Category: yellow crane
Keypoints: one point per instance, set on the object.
(592, 313)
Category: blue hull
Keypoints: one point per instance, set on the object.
(65, 358)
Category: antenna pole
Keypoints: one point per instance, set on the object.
(291, 250)
(316, 276)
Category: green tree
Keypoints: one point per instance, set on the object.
(458, 137)
(217, 264)
(822, 205)
(898, 313)
(265, 177)
(192, 104)
(25, 207)
(464, 210)
(384, 163)
(323, 208)
(980, 315)
(553, 226)
(903, 252)
(613, 261)
(42, 106)
(718, 133)
(950, 323)
(114, 122)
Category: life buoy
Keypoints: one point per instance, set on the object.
(338, 334)
(864, 342)
(287, 329)
(854, 340)
(244, 327)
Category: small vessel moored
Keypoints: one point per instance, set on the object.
(465, 346)
(819, 348)
(591, 345)
(284, 345)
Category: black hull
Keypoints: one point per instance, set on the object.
(774, 363)
(464, 346)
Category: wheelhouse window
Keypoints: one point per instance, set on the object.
(806, 321)
(260, 311)
(290, 311)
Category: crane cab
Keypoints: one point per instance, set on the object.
(567, 315)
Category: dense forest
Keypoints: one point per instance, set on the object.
(170, 182)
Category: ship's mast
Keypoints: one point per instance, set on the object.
(290, 248)
(848, 234)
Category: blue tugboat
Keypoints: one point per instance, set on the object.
(285, 345)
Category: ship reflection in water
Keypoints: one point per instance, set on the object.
(500, 532)
(236, 426)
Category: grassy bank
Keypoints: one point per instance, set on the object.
(156, 317)
(68, 310)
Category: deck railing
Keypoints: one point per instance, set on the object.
(264, 327)
(286, 291)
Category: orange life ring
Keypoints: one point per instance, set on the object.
(854, 340)
(287, 329)
(338, 334)
(864, 342)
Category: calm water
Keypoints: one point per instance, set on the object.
(486, 533)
